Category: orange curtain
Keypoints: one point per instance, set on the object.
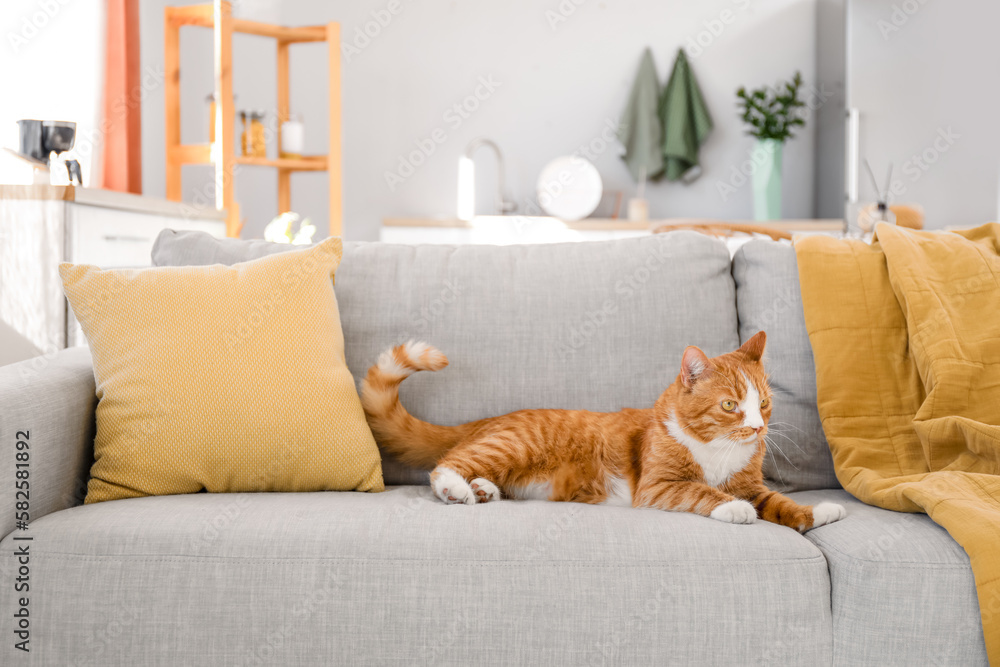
(122, 124)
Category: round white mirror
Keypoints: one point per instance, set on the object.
(569, 188)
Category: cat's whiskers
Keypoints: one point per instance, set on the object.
(780, 434)
(726, 448)
(791, 425)
(772, 443)
(781, 478)
(788, 424)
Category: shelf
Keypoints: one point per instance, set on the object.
(222, 155)
(203, 16)
(306, 163)
(202, 154)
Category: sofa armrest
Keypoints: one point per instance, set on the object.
(51, 399)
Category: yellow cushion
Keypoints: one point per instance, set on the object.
(227, 379)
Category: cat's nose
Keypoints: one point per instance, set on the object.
(758, 429)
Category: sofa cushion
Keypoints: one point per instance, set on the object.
(212, 378)
(595, 326)
(400, 578)
(903, 590)
(768, 299)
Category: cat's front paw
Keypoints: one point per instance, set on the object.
(825, 513)
(449, 486)
(485, 490)
(735, 511)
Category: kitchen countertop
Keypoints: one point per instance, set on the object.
(608, 224)
(110, 199)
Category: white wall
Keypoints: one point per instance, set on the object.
(52, 68)
(923, 76)
(559, 86)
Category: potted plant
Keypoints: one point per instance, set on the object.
(771, 114)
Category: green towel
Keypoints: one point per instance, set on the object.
(639, 127)
(685, 122)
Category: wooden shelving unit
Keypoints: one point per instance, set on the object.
(218, 16)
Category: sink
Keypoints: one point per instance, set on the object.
(506, 230)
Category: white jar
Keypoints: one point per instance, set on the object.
(292, 137)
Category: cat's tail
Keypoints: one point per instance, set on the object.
(412, 441)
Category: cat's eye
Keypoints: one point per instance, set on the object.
(764, 402)
(729, 406)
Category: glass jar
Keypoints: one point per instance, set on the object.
(258, 138)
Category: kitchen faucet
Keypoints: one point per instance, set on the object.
(467, 181)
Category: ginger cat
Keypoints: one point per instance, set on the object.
(698, 449)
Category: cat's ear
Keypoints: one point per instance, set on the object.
(753, 349)
(694, 365)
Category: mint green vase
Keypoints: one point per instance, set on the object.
(767, 180)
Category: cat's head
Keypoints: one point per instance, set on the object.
(722, 398)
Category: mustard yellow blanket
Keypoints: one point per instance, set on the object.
(906, 336)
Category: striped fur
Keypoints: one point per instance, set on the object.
(699, 449)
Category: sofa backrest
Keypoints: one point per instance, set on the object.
(596, 326)
(768, 298)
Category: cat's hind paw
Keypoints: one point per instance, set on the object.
(450, 488)
(825, 513)
(735, 511)
(485, 490)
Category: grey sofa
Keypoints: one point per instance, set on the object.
(398, 578)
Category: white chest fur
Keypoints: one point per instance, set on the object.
(718, 459)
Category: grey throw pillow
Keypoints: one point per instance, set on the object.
(768, 299)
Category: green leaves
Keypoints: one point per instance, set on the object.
(772, 113)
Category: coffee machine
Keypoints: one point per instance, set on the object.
(42, 141)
